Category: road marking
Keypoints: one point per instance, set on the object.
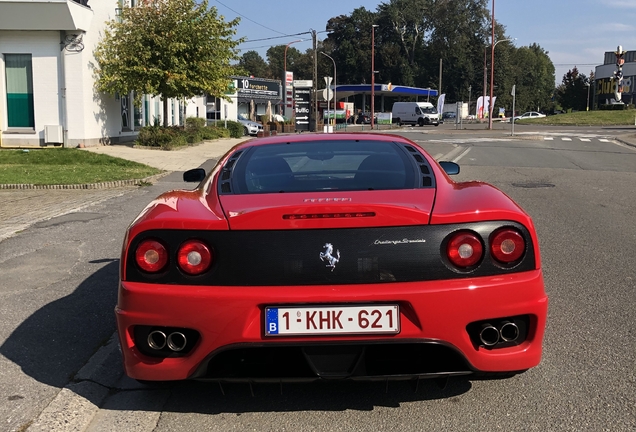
(438, 155)
(451, 154)
(566, 139)
(603, 140)
(548, 138)
(464, 153)
(585, 139)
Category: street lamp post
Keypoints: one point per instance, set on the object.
(287, 46)
(587, 105)
(373, 27)
(492, 67)
(335, 84)
(470, 89)
(491, 106)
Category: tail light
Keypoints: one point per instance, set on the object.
(464, 249)
(194, 257)
(507, 245)
(151, 256)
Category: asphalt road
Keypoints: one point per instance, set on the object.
(59, 288)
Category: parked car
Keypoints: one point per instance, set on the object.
(529, 115)
(449, 116)
(249, 127)
(365, 118)
(330, 256)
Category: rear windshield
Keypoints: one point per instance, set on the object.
(323, 166)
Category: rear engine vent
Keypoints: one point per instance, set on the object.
(427, 178)
(225, 185)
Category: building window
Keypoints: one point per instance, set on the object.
(19, 75)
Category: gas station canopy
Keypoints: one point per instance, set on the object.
(347, 90)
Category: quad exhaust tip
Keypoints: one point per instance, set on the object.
(157, 340)
(490, 335)
(175, 341)
(509, 331)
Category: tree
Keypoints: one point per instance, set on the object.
(534, 78)
(253, 64)
(167, 48)
(350, 45)
(572, 92)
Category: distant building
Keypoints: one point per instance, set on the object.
(255, 96)
(604, 75)
(47, 92)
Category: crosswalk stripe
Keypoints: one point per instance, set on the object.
(566, 139)
(545, 138)
(585, 139)
(603, 140)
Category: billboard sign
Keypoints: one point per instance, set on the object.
(302, 108)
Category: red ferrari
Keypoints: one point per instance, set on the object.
(343, 256)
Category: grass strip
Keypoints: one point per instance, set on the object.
(60, 166)
(587, 118)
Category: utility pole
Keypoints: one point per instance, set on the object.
(373, 27)
(491, 106)
(483, 100)
(439, 89)
(315, 82)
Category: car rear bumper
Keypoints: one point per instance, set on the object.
(433, 313)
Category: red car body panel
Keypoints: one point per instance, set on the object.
(227, 316)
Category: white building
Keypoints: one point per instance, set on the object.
(47, 79)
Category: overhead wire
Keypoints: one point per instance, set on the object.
(249, 19)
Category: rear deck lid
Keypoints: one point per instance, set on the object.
(328, 210)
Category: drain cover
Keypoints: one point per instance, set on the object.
(533, 185)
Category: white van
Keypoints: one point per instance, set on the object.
(416, 113)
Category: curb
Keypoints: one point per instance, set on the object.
(77, 403)
(623, 141)
(102, 185)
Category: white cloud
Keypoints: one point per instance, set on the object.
(627, 4)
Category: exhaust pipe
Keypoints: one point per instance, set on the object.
(177, 341)
(489, 335)
(509, 331)
(157, 340)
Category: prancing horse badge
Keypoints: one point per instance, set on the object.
(327, 255)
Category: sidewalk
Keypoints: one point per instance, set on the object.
(176, 160)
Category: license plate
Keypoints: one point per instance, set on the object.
(325, 320)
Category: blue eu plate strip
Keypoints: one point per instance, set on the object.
(271, 321)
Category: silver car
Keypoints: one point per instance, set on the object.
(249, 127)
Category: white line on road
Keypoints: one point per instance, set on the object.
(438, 155)
(566, 139)
(548, 138)
(585, 139)
(451, 154)
(603, 140)
(464, 153)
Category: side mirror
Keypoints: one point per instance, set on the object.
(451, 168)
(194, 175)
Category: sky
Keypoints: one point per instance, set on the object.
(574, 32)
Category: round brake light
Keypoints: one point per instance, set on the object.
(151, 256)
(507, 245)
(464, 249)
(194, 257)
